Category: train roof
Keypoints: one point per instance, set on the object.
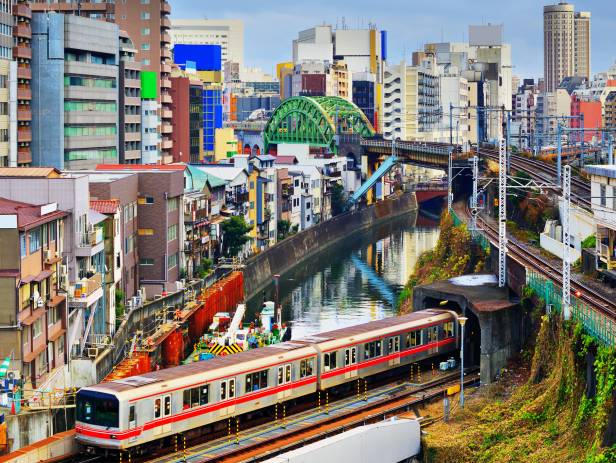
(207, 370)
(378, 327)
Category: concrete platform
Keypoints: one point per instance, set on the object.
(495, 328)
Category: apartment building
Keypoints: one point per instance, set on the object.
(75, 75)
(83, 253)
(33, 315)
(129, 99)
(95, 9)
(22, 55)
(187, 94)
(566, 43)
(160, 217)
(148, 25)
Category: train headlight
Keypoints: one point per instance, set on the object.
(113, 436)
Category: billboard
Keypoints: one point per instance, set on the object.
(485, 35)
(149, 85)
(204, 57)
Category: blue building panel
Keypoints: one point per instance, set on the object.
(384, 45)
(204, 57)
(218, 117)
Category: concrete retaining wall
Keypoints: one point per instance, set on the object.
(289, 252)
(55, 447)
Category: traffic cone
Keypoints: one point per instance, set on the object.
(13, 407)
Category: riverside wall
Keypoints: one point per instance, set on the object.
(259, 269)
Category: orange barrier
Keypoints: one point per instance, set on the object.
(138, 364)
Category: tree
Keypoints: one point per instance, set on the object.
(338, 199)
(234, 231)
(284, 227)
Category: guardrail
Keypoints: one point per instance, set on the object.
(597, 324)
(409, 146)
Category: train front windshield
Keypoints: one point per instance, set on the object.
(98, 409)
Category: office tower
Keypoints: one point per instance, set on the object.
(566, 43)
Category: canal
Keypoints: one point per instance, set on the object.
(354, 281)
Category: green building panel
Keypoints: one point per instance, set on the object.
(149, 85)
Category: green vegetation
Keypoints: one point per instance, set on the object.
(540, 412)
(590, 242)
(338, 199)
(455, 254)
(119, 306)
(235, 235)
(204, 269)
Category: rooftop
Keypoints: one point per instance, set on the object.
(35, 172)
(141, 167)
(30, 215)
(105, 206)
(286, 160)
(602, 170)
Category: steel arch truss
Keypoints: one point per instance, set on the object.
(315, 121)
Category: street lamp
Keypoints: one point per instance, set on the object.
(462, 321)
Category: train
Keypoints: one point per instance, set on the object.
(143, 411)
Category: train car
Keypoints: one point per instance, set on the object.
(138, 410)
(371, 348)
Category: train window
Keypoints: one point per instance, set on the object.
(306, 368)
(157, 408)
(432, 334)
(448, 329)
(280, 375)
(204, 397)
(231, 388)
(350, 356)
(329, 361)
(196, 396)
(413, 339)
(167, 401)
(132, 419)
(393, 345)
(287, 373)
(223, 390)
(98, 409)
(373, 349)
(378, 345)
(256, 381)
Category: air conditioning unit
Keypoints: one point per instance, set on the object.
(40, 303)
(136, 301)
(92, 352)
(129, 305)
(49, 254)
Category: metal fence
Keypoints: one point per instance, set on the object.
(478, 237)
(599, 325)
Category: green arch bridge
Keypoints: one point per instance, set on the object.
(315, 121)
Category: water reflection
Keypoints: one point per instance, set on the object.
(355, 281)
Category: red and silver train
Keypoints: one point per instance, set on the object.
(140, 410)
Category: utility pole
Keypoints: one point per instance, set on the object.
(474, 210)
(566, 297)
(610, 148)
(502, 213)
(450, 181)
(559, 153)
(450, 123)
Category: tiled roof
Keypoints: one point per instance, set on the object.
(105, 206)
(141, 167)
(38, 172)
(286, 160)
(28, 215)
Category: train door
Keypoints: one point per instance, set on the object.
(350, 358)
(132, 420)
(393, 345)
(227, 392)
(284, 376)
(162, 409)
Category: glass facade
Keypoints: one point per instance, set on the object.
(212, 116)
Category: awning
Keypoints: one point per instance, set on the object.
(38, 313)
(32, 355)
(44, 274)
(56, 335)
(56, 300)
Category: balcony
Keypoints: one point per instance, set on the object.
(90, 243)
(24, 155)
(165, 8)
(24, 115)
(166, 144)
(22, 51)
(24, 134)
(166, 128)
(165, 23)
(22, 30)
(24, 94)
(165, 69)
(86, 292)
(24, 73)
(22, 10)
(165, 83)
(166, 114)
(165, 98)
(165, 38)
(165, 53)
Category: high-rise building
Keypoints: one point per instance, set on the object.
(566, 43)
(94, 9)
(129, 143)
(22, 54)
(228, 33)
(187, 134)
(75, 78)
(148, 24)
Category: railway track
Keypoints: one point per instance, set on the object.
(267, 441)
(524, 256)
(542, 172)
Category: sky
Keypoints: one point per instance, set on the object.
(271, 25)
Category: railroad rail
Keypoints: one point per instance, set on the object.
(524, 256)
(266, 442)
(543, 172)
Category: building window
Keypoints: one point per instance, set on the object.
(37, 328)
(146, 262)
(145, 200)
(22, 245)
(145, 46)
(145, 31)
(145, 15)
(172, 261)
(35, 240)
(172, 205)
(53, 232)
(172, 232)
(145, 231)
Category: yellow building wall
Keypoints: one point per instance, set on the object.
(282, 69)
(252, 208)
(210, 77)
(225, 144)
